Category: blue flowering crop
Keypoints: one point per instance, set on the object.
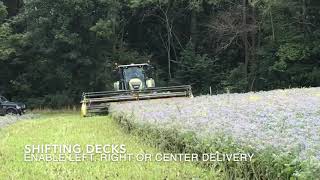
(288, 120)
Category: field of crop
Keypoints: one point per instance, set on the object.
(69, 128)
(281, 127)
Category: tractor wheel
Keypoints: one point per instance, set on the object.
(12, 112)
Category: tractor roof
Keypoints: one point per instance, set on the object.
(133, 65)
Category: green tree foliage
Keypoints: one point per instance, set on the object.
(3, 12)
(193, 69)
(290, 45)
(64, 47)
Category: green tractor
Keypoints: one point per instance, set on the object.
(134, 83)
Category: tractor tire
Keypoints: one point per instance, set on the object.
(12, 112)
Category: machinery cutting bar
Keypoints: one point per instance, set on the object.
(150, 93)
(99, 101)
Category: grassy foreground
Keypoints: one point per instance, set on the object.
(71, 129)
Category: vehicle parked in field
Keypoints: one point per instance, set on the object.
(7, 107)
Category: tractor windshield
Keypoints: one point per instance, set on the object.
(133, 72)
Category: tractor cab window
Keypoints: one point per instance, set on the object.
(133, 72)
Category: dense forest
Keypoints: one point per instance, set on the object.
(52, 51)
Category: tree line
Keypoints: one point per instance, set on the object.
(52, 51)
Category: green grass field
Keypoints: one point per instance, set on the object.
(69, 128)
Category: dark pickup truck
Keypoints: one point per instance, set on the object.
(7, 107)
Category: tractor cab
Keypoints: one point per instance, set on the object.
(134, 77)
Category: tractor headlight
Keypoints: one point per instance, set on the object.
(150, 83)
(136, 86)
(18, 107)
